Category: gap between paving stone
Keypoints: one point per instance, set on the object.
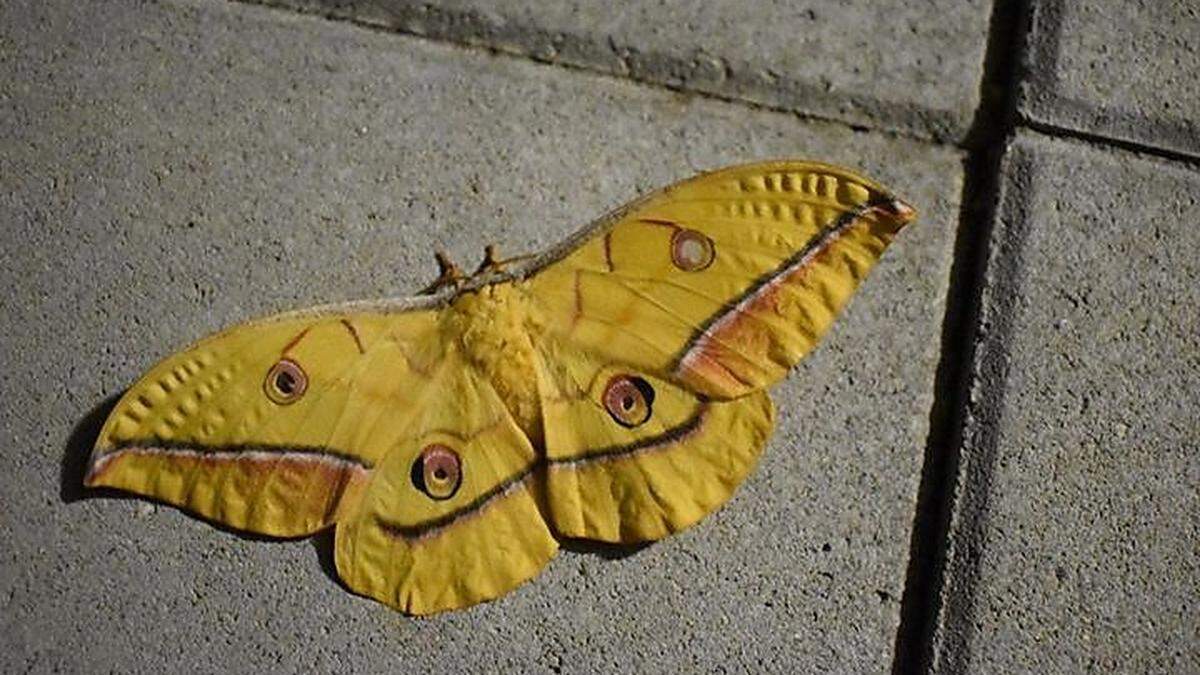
(991, 130)
(1098, 140)
(1051, 105)
(984, 371)
(1005, 300)
(703, 74)
(971, 378)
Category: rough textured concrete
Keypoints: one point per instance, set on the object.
(1129, 70)
(1078, 521)
(887, 64)
(172, 168)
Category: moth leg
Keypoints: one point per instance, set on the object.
(448, 274)
(491, 262)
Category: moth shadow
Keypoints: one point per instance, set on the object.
(322, 543)
(74, 466)
(78, 452)
(604, 550)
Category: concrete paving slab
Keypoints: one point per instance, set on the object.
(173, 168)
(1078, 521)
(1127, 70)
(886, 64)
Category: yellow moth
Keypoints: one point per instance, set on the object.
(611, 388)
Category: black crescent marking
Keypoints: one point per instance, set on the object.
(433, 526)
(612, 452)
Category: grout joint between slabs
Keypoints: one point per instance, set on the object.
(1102, 142)
(701, 74)
(917, 647)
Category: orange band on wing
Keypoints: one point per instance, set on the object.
(263, 458)
(278, 491)
(714, 351)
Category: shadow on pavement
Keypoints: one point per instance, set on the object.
(79, 449)
(74, 465)
(604, 550)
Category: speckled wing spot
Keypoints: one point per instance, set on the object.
(692, 251)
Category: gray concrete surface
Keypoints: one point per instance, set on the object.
(1129, 70)
(1075, 540)
(172, 168)
(169, 168)
(889, 64)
